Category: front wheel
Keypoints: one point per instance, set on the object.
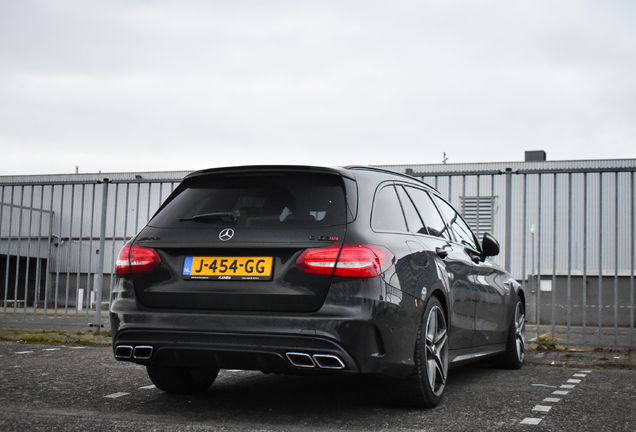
(424, 387)
(174, 379)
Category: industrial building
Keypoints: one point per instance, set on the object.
(566, 229)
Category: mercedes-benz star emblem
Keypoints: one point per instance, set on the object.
(226, 234)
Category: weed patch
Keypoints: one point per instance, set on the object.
(55, 337)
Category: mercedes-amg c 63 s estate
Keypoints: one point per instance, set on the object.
(295, 269)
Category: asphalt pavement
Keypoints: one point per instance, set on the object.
(73, 388)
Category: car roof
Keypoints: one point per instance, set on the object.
(348, 171)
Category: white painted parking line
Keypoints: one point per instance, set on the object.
(24, 352)
(116, 395)
(531, 421)
(51, 349)
(542, 408)
(77, 347)
(148, 387)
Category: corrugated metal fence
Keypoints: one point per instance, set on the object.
(566, 234)
(59, 240)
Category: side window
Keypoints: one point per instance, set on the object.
(463, 233)
(387, 213)
(428, 212)
(413, 220)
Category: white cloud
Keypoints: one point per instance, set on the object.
(126, 86)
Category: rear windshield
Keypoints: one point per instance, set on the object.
(277, 200)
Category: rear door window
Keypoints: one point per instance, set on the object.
(262, 200)
(413, 220)
(427, 210)
(460, 228)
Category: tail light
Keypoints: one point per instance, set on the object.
(136, 259)
(346, 260)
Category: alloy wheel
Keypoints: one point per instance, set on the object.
(436, 353)
(520, 331)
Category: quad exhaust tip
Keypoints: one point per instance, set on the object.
(322, 361)
(301, 360)
(140, 352)
(328, 361)
(123, 351)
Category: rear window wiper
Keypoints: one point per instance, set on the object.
(231, 216)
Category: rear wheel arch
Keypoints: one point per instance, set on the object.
(441, 297)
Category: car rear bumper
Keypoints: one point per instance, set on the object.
(350, 339)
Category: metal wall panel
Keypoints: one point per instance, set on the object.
(567, 225)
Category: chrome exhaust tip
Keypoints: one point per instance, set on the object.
(123, 351)
(142, 352)
(301, 360)
(328, 361)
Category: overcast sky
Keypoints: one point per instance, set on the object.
(181, 85)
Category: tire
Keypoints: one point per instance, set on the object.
(181, 380)
(513, 357)
(425, 385)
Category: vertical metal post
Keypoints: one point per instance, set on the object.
(79, 259)
(509, 220)
(89, 284)
(126, 207)
(539, 258)
(478, 205)
(28, 255)
(137, 208)
(102, 242)
(69, 249)
(600, 259)
(450, 190)
(525, 234)
(584, 257)
(38, 266)
(631, 276)
(114, 241)
(49, 258)
(492, 204)
(59, 252)
(569, 252)
(149, 199)
(6, 281)
(17, 253)
(554, 255)
(616, 259)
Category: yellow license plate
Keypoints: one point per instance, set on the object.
(228, 268)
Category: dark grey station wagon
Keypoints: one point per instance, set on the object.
(295, 269)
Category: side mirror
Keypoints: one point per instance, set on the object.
(489, 245)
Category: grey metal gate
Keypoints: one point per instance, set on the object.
(567, 235)
(59, 241)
